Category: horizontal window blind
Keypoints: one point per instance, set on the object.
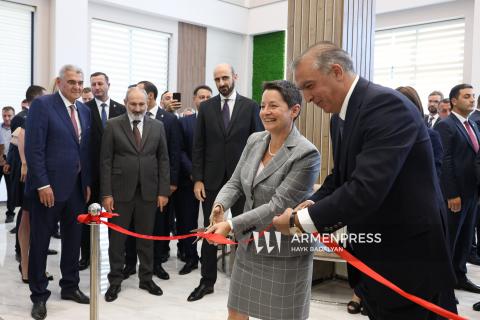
(15, 52)
(128, 55)
(427, 57)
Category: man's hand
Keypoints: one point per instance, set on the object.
(162, 202)
(455, 204)
(23, 172)
(222, 228)
(304, 204)
(6, 169)
(2, 161)
(173, 188)
(107, 203)
(88, 194)
(46, 197)
(282, 222)
(199, 190)
(217, 214)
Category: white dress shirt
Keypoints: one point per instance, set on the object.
(153, 111)
(99, 106)
(139, 125)
(230, 102)
(67, 106)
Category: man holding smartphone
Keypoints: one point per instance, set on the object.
(171, 102)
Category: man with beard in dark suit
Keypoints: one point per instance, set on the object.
(224, 124)
(102, 108)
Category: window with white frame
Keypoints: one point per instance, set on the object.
(15, 52)
(427, 57)
(128, 55)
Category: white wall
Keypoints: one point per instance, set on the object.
(227, 47)
(268, 18)
(439, 12)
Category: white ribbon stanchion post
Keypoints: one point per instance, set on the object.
(94, 210)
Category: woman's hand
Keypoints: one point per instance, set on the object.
(222, 228)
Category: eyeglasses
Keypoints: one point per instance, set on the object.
(73, 83)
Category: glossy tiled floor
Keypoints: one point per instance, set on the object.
(134, 303)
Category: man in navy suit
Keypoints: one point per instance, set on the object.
(173, 135)
(383, 182)
(433, 117)
(186, 205)
(58, 182)
(460, 140)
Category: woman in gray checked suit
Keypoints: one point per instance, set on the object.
(271, 276)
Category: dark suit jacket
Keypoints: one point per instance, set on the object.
(188, 128)
(124, 167)
(54, 154)
(216, 149)
(425, 119)
(174, 142)
(475, 117)
(96, 132)
(458, 169)
(384, 182)
(437, 150)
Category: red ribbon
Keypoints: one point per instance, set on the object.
(344, 254)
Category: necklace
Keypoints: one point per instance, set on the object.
(270, 151)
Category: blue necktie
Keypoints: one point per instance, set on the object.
(104, 114)
(226, 114)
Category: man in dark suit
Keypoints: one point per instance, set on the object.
(134, 182)
(474, 257)
(186, 205)
(58, 180)
(460, 140)
(102, 108)
(173, 136)
(433, 117)
(223, 126)
(383, 182)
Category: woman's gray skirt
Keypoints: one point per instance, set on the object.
(271, 287)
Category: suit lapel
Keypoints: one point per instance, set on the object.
(217, 110)
(112, 112)
(128, 131)
(147, 124)
(354, 104)
(462, 129)
(96, 115)
(82, 119)
(59, 107)
(236, 110)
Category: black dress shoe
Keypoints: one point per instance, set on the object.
(9, 219)
(128, 271)
(476, 306)
(83, 264)
(151, 287)
(164, 257)
(199, 292)
(112, 292)
(468, 285)
(39, 310)
(474, 259)
(76, 296)
(160, 272)
(52, 252)
(13, 230)
(188, 267)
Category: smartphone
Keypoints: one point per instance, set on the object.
(177, 96)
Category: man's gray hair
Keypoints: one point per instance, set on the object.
(69, 67)
(326, 54)
(136, 89)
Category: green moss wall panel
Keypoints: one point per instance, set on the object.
(268, 60)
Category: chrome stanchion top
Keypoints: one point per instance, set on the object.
(94, 210)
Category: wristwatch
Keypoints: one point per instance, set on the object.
(293, 228)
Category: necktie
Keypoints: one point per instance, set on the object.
(472, 136)
(136, 133)
(149, 114)
(73, 117)
(226, 114)
(104, 114)
(430, 120)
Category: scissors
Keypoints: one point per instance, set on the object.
(200, 230)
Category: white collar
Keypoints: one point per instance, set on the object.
(460, 117)
(154, 110)
(232, 97)
(66, 101)
(99, 102)
(343, 110)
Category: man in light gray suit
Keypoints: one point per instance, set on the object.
(134, 181)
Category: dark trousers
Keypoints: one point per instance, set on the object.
(10, 204)
(209, 252)
(476, 237)
(461, 229)
(186, 211)
(143, 214)
(85, 243)
(43, 222)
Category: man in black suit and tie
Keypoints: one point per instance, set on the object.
(173, 136)
(102, 108)
(460, 140)
(223, 126)
(433, 117)
(474, 257)
(134, 183)
(384, 182)
(186, 205)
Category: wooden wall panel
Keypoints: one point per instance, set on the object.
(192, 41)
(347, 23)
